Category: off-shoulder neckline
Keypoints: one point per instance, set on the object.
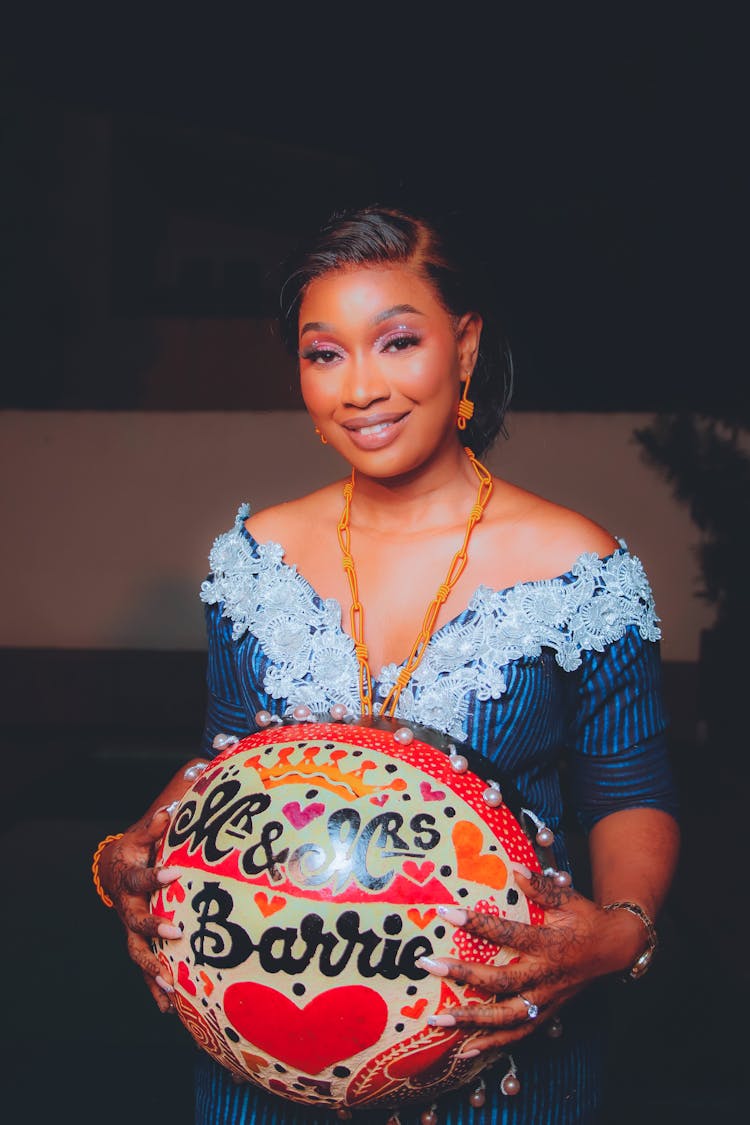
(482, 589)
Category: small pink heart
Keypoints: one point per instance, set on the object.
(299, 817)
(430, 794)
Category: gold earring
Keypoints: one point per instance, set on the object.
(322, 437)
(465, 405)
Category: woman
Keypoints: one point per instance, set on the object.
(540, 642)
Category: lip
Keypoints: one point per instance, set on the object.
(392, 425)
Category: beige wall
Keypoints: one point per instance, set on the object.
(108, 517)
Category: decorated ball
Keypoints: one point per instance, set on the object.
(315, 858)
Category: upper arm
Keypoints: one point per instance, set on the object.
(618, 731)
(225, 711)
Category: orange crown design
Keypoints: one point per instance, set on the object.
(295, 766)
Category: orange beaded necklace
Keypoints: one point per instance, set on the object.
(357, 613)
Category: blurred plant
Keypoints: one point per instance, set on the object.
(706, 459)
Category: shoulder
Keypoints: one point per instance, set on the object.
(552, 534)
(295, 520)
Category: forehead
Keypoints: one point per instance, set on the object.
(359, 294)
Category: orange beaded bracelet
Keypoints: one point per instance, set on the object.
(95, 867)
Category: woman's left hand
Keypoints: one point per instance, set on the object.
(577, 943)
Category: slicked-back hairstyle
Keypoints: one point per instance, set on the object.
(377, 236)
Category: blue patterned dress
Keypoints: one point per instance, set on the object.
(544, 677)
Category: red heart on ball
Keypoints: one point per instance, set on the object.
(335, 1025)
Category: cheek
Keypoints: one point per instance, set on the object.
(431, 375)
(315, 392)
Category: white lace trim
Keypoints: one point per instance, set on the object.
(312, 659)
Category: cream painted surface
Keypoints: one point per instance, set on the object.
(108, 517)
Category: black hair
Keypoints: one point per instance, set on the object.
(378, 235)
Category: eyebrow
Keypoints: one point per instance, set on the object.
(394, 310)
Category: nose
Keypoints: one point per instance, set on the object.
(364, 383)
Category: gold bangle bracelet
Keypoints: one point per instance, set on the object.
(95, 867)
(641, 963)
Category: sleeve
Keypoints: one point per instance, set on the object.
(617, 736)
(225, 712)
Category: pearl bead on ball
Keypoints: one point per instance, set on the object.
(301, 713)
(545, 837)
(263, 718)
(510, 1085)
(338, 711)
(403, 735)
(478, 1098)
(221, 741)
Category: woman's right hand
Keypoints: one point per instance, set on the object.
(127, 874)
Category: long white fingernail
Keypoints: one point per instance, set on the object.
(168, 931)
(172, 809)
(437, 968)
(442, 1020)
(521, 870)
(163, 985)
(456, 915)
(470, 1053)
(168, 874)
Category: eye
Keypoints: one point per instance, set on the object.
(400, 342)
(320, 355)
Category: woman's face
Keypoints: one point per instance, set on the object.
(381, 366)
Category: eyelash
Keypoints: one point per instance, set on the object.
(315, 355)
(325, 356)
(406, 339)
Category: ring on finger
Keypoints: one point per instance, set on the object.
(532, 1010)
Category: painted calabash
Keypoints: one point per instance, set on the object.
(315, 858)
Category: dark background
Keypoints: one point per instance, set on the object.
(595, 155)
(599, 155)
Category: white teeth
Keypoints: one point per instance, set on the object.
(375, 429)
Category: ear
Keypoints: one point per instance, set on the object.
(468, 334)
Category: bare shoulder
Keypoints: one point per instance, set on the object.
(294, 520)
(552, 534)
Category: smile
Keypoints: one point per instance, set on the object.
(378, 428)
(375, 431)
